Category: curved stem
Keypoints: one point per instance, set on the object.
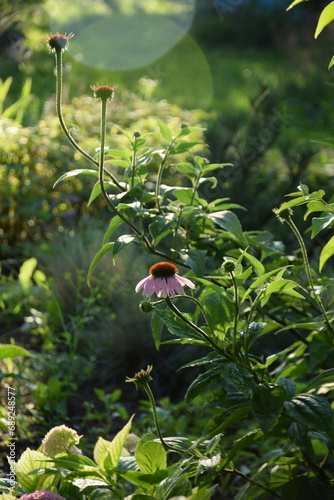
(159, 175)
(236, 316)
(307, 266)
(150, 396)
(192, 325)
(59, 87)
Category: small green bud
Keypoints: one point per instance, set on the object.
(136, 134)
(146, 307)
(229, 266)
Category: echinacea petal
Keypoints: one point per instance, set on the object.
(142, 283)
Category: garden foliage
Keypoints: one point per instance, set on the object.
(266, 417)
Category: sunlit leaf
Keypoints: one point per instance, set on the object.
(11, 351)
(73, 173)
(296, 2)
(326, 253)
(326, 17)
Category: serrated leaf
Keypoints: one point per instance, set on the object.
(267, 404)
(312, 410)
(238, 376)
(106, 248)
(73, 173)
(11, 351)
(150, 456)
(326, 17)
(326, 253)
(201, 384)
(220, 310)
(29, 461)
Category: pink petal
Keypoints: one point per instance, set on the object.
(142, 283)
(185, 281)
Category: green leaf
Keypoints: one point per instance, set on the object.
(267, 404)
(11, 351)
(230, 222)
(261, 280)
(75, 172)
(165, 130)
(322, 378)
(188, 130)
(105, 450)
(29, 461)
(257, 265)
(177, 327)
(244, 442)
(295, 3)
(96, 191)
(320, 223)
(160, 228)
(201, 384)
(150, 456)
(312, 410)
(195, 259)
(114, 224)
(106, 248)
(282, 286)
(183, 147)
(121, 243)
(219, 309)
(331, 63)
(326, 253)
(238, 376)
(215, 166)
(326, 17)
(156, 326)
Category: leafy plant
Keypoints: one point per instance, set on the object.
(268, 419)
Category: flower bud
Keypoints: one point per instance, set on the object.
(146, 306)
(229, 266)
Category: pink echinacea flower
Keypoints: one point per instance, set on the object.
(163, 280)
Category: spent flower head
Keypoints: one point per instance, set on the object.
(163, 280)
(58, 42)
(61, 439)
(103, 92)
(42, 495)
(141, 378)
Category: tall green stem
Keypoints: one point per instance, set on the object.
(192, 325)
(236, 316)
(59, 88)
(307, 266)
(149, 393)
